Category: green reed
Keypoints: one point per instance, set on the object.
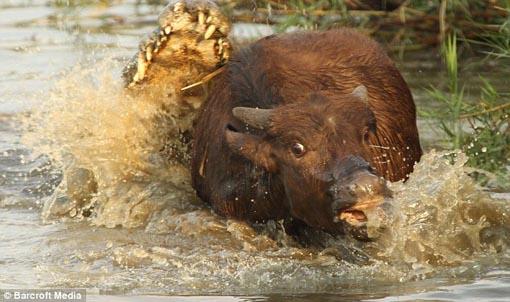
(452, 100)
(481, 129)
(401, 25)
(499, 42)
(314, 14)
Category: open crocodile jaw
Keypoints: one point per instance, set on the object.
(200, 17)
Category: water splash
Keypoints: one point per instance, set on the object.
(108, 142)
(441, 217)
(105, 137)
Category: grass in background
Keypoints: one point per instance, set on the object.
(315, 15)
(499, 43)
(401, 25)
(481, 129)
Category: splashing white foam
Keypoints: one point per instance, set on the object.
(89, 121)
(441, 217)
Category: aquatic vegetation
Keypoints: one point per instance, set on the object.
(402, 25)
(306, 15)
(499, 42)
(480, 129)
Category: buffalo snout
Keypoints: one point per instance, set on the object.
(356, 189)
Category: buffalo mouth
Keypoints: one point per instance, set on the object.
(357, 215)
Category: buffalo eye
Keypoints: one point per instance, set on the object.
(298, 149)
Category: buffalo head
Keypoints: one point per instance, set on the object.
(321, 152)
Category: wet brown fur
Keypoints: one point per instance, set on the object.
(285, 70)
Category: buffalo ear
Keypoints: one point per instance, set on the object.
(361, 93)
(252, 147)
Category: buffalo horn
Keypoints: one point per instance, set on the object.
(254, 117)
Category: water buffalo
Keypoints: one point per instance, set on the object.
(303, 125)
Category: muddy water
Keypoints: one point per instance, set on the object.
(63, 113)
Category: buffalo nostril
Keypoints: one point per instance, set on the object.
(365, 183)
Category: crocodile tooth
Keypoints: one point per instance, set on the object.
(210, 30)
(168, 29)
(148, 53)
(201, 17)
(220, 46)
(142, 66)
(163, 39)
(156, 45)
(208, 20)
